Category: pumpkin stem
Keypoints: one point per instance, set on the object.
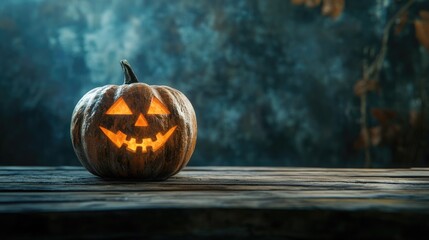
(130, 77)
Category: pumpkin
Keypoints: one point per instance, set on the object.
(134, 130)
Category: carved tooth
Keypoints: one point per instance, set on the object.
(159, 136)
(132, 145)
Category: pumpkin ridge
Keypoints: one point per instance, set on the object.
(179, 100)
(88, 115)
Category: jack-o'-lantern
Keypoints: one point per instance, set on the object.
(134, 130)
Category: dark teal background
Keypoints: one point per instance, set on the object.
(271, 82)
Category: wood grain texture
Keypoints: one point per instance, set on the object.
(216, 202)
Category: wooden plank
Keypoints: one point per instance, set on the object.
(77, 179)
(79, 201)
(209, 202)
(408, 184)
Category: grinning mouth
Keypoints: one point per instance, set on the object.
(119, 138)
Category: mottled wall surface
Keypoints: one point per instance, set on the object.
(271, 82)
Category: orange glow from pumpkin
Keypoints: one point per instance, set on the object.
(141, 121)
(119, 108)
(157, 107)
(119, 138)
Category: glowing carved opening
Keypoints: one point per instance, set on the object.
(141, 121)
(119, 108)
(119, 138)
(157, 107)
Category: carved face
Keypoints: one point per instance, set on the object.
(134, 130)
(119, 138)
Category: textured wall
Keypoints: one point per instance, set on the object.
(272, 83)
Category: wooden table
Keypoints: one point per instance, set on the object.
(216, 202)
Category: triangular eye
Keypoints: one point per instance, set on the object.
(157, 107)
(119, 108)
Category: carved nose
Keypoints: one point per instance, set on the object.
(141, 121)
